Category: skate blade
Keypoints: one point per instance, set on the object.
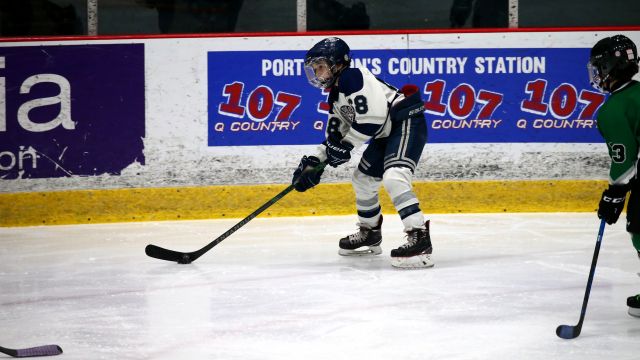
(413, 262)
(372, 250)
(634, 312)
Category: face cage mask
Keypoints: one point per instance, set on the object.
(595, 77)
(320, 83)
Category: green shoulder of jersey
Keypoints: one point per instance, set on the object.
(619, 124)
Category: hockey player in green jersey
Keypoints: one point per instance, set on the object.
(612, 64)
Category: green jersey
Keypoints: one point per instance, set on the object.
(619, 124)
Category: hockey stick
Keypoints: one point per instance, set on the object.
(188, 257)
(572, 332)
(45, 350)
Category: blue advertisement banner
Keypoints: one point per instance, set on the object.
(471, 95)
(71, 110)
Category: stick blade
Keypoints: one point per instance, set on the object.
(45, 350)
(568, 332)
(166, 254)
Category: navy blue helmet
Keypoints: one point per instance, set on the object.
(323, 59)
(612, 58)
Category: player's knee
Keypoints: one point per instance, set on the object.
(363, 183)
(397, 180)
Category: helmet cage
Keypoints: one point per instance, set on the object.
(312, 67)
(597, 75)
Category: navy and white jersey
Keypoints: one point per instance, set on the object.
(359, 108)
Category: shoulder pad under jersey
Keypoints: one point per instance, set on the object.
(351, 81)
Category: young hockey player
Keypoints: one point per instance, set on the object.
(612, 64)
(364, 108)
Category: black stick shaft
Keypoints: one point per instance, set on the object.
(569, 331)
(592, 271)
(243, 222)
(186, 258)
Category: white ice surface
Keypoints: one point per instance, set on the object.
(277, 289)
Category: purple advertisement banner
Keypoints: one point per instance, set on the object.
(71, 110)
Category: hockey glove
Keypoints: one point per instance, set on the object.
(338, 152)
(612, 203)
(306, 176)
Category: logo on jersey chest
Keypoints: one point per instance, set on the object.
(347, 112)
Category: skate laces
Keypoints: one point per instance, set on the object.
(360, 235)
(412, 239)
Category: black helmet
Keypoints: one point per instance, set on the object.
(612, 58)
(332, 52)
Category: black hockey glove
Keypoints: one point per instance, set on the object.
(612, 203)
(306, 176)
(338, 152)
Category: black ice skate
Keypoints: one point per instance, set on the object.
(416, 253)
(633, 302)
(365, 242)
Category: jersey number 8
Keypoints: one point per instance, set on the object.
(361, 104)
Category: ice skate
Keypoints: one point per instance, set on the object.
(633, 302)
(416, 253)
(365, 242)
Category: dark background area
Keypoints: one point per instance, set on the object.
(69, 17)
